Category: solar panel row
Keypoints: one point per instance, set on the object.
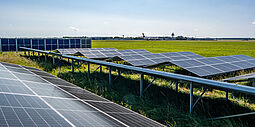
(158, 58)
(13, 44)
(113, 53)
(241, 77)
(101, 53)
(72, 51)
(30, 97)
(216, 65)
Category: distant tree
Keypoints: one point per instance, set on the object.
(181, 38)
(172, 35)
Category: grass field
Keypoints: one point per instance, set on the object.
(161, 102)
(204, 48)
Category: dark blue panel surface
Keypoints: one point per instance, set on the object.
(72, 41)
(12, 42)
(54, 41)
(34, 42)
(20, 42)
(48, 47)
(27, 43)
(5, 48)
(72, 46)
(4, 41)
(41, 42)
(12, 48)
(41, 47)
(53, 47)
(48, 41)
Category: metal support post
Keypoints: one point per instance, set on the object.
(199, 98)
(72, 65)
(44, 41)
(38, 56)
(33, 53)
(149, 84)
(80, 43)
(141, 84)
(16, 42)
(45, 56)
(100, 68)
(191, 98)
(57, 44)
(0, 45)
(53, 59)
(176, 86)
(110, 75)
(119, 72)
(69, 43)
(31, 43)
(163, 68)
(226, 95)
(88, 70)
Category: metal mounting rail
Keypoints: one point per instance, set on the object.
(143, 71)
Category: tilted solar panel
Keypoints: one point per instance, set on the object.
(31, 97)
(158, 58)
(72, 51)
(241, 77)
(216, 65)
(104, 54)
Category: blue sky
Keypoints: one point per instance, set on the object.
(193, 18)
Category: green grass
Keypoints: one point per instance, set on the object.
(161, 102)
(204, 48)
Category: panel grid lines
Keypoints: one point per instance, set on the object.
(42, 110)
(158, 58)
(13, 44)
(241, 77)
(217, 65)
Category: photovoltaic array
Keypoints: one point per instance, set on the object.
(158, 58)
(13, 44)
(31, 97)
(114, 53)
(241, 77)
(216, 65)
(101, 53)
(189, 61)
(73, 51)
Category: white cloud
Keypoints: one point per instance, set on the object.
(253, 23)
(74, 28)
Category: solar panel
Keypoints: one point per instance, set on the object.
(226, 67)
(241, 77)
(30, 97)
(210, 60)
(104, 54)
(159, 58)
(216, 65)
(13, 44)
(72, 51)
(242, 57)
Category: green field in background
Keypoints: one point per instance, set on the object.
(204, 48)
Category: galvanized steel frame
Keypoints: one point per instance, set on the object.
(143, 71)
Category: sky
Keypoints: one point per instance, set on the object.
(191, 18)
